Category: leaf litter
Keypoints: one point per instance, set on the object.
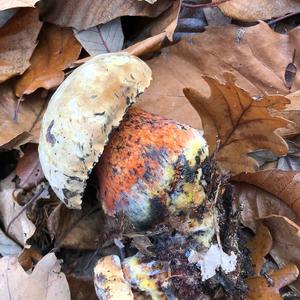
(215, 67)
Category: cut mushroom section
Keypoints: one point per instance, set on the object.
(81, 114)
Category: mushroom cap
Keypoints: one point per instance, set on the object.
(81, 114)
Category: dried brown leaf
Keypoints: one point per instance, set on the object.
(256, 203)
(256, 55)
(45, 282)
(57, 50)
(19, 125)
(261, 289)
(240, 123)
(29, 169)
(22, 228)
(286, 241)
(17, 42)
(285, 185)
(92, 12)
(27, 258)
(6, 4)
(81, 288)
(249, 10)
(260, 246)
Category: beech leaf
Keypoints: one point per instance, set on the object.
(57, 50)
(45, 282)
(103, 38)
(240, 123)
(17, 42)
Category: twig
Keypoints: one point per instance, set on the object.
(203, 5)
(283, 17)
(28, 204)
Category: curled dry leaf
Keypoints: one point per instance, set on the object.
(22, 228)
(240, 123)
(6, 4)
(256, 203)
(57, 50)
(249, 10)
(256, 55)
(93, 12)
(260, 246)
(45, 282)
(29, 169)
(19, 123)
(260, 288)
(102, 38)
(286, 241)
(17, 42)
(281, 184)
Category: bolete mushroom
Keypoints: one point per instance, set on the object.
(147, 166)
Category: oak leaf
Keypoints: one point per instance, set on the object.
(90, 13)
(256, 55)
(19, 122)
(249, 10)
(57, 50)
(239, 122)
(45, 282)
(285, 185)
(17, 42)
(7, 4)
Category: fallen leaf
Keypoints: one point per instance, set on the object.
(292, 112)
(240, 123)
(6, 4)
(256, 55)
(29, 169)
(81, 288)
(260, 246)
(57, 50)
(27, 258)
(285, 185)
(76, 229)
(92, 12)
(260, 288)
(103, 38)
(45, 282)
(249, 10)
(255, 203)
(21, 229)
(19, 125)
(7, 246)
(286, 241)
(17, 42)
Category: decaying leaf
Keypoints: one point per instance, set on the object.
(45, 282)
(103, 38)
(255, 203)
(21, 229)
(258, 64)
(260, 288)
(29, 169)
(76, 229)
(17, 42)
(93, 12)
(6, 4)
(57, 50)
(281, 184)
(286, 241)
(260, 246)
(19, 122)
(249, 10)
(240, 123)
